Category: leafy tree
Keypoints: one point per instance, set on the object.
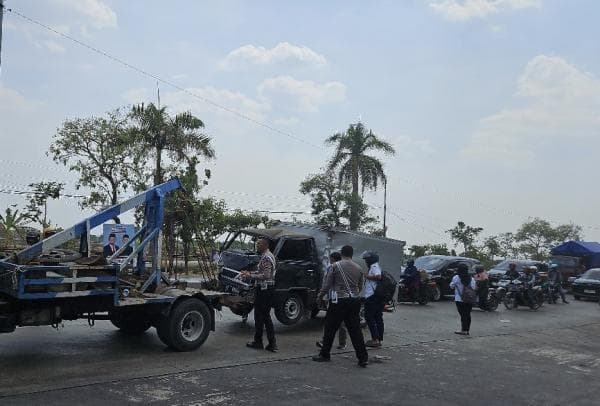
(158, 135)
(508, 245)
(493, 246)
(537, 237)
(465, 235)
(328, 197)
(567, 232)
(417, 251)
(37, 208)
(99, 149)
(355, 166)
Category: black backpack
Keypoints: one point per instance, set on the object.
(386, 287)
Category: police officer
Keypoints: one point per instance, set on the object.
(345, 281)
(264, 279)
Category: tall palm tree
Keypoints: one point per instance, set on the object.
(356, 167)
(178, 136)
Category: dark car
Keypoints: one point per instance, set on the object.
(497, 273)
(587, 285)
(442, 268)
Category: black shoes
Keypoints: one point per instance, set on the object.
(272, 348)
(363, 364)
(255, 345)
(258, 346)
(320, 358)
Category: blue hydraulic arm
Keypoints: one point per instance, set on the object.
(153, 199)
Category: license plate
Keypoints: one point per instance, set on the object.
(589, 291)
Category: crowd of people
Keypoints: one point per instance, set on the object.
(346, 289)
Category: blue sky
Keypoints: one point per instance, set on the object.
(493, 105)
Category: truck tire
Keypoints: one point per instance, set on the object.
(132, 323)
(289, 309)
(187, 326)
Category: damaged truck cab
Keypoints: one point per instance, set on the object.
(297, 279)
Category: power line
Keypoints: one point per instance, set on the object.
(161, 80)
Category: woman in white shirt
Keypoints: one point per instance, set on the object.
(464, 292)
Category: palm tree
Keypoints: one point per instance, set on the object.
(179, 136)
(355, 166)
(11, 221)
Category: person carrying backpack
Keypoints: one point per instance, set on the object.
(464, 296)
(374, 303)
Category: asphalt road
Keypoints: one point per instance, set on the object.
(548, 357)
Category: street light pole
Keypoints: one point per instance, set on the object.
(384, 206)
(1, 15)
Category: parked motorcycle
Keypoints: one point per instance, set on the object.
(516, 295)
(422, 295)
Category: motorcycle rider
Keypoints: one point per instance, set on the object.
(529, 279)
(412, 278)
(555, 278)
(482, 280)
(512, 272)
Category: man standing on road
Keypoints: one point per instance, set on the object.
(373, 303)
(264, 279)
(412, 278)
(345, 283)
(555, 278)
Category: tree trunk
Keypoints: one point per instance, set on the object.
(354, 220)
(158, 168)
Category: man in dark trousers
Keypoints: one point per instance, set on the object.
(345, 283)
(264, 279)
(111, 247)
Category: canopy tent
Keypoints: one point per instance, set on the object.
(590, 251)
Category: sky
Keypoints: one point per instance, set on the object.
(493, 106)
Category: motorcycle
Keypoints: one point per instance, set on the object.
(551, 292)
(422, 295)
(492, 301)
(516, 295)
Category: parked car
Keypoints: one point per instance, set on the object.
(497, 273)
(442, 268)
(587, 285)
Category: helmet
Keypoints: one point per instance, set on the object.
(370, 257)
(532, 268)
(553, 266)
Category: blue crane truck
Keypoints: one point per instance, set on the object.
(129, 291)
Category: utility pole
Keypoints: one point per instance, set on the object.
(1, 15)
(384, 206)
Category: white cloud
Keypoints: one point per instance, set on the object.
(97, 12)
(301, 95)
(556, 101)
(410, 147)
(248, 55)
(13, 101)
(463, 10)
(52, 46)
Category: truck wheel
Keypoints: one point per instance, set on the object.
(187, 326)
(130, 322)
(290, 309)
